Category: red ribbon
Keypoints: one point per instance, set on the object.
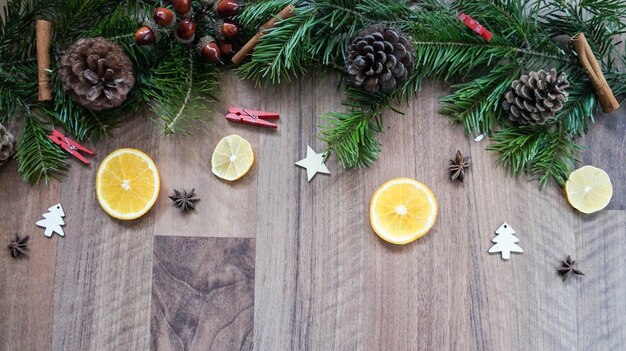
(475, 26)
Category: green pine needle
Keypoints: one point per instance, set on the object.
(180, 89)
(38, 158)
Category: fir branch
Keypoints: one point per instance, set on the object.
(476, 104)
(17, 34)
(74, 18)
(178, 93)
(38, 158)
(351, 136)
(284, 52)
(577, 112)
(257, 13)
(78, 121)
(17, 83)
(536, 151)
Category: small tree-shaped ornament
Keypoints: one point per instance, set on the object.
(505, 242)
(53, 220)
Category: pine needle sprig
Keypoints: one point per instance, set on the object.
(285, 51)
(38, 158)
(536, 151)
(17, 82)
(178, 90)
(351, 135)
(257, 13)
(74, 18)
(17, 37)
(476, 104)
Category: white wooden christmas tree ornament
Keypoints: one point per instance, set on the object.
(53, 220)
(314, 163)
(505, 242)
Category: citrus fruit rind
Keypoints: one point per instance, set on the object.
(127, 184)
(589, 189)
(402, 210)
(232, 159)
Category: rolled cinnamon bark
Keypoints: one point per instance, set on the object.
(43, 37)
(590, 64)
(247, 49)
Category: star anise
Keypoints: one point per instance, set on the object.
(18, 246)
(568, 267)
(185, 200)
(458, 165)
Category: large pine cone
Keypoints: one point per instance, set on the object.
(536, 97)
(379, 58)
(96, 73)
(7, 144)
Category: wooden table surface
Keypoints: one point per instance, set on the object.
(322, 279)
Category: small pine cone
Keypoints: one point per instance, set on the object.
(379, 58)
(7, 145)
(96, 73)
(535, 98)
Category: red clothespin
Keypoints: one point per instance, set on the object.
(70, 145)
(475, 26)
(255, 118)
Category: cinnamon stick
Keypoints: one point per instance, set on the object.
(590, 64)
(247, 49)
(43, 38)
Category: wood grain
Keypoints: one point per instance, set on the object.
(324, 281)
(601, 243)
(26, 284)
(102, 280)
(202, 293)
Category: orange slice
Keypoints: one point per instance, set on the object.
(127, 184)
(402, 210)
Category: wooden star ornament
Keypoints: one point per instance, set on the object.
(314, 163)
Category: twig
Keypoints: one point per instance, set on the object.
(170, 126)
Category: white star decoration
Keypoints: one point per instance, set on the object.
(313, 163)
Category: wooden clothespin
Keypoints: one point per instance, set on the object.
(70, 146)
(252, 117)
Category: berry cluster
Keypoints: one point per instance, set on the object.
(221, 31)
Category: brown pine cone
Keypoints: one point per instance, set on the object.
(7, 144)
(96, 73)
(379, 58)
(535, 98)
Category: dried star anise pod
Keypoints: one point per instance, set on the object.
(18, 246)
(568, 267)
(458, 165)
(185, 200)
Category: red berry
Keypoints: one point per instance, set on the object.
(186, 29)
(226, 48)
(212, 52)
(228, 7)
(229, 30)
(182, 7)
(144, 36)
(163, 16)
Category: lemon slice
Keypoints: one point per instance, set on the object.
(127, 184)
(232, 158)
(589, 189)
(402, 210)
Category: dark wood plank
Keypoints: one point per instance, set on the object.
(202, 293)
